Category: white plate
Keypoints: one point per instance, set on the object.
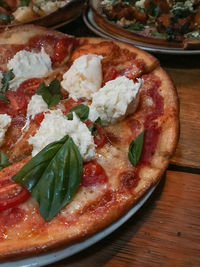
(91, 24)
(69, 251)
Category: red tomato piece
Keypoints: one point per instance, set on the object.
(100, 137)
(29, 87)
(12, 194)
(93, 174)
(110, 74)
(61, 50)
(69, 103)
(39, 118)
(17, 105)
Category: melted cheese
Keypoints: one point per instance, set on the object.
(27, 65)
(36, 105)
(55, 126)
(5, 121)
(115, 100)
(84, 77)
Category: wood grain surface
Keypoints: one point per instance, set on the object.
(165, 231)
(187, 82)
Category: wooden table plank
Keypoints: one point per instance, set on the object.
(165, 231)
(187, 82)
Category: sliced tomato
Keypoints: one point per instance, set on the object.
(110, 74)
(12, 194)
(93, 174)
(17, 105)
(29, 87)
(39, 118)
(69, 103)
(61, 50)
(100, 137)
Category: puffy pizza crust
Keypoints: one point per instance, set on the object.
(93, 209)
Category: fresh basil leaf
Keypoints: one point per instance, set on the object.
(92, 127)
(98, 120)
(82, 111)
(4, 98)
(4, 161)
(6, 18)
(135, 149)
(53, 176)
(51, 94)
(9, 75)
(24, 2)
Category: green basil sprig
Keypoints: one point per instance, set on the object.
(51, 94)
(92, 127)
(4, 161)
(9, 75)
(4, 98)
(6, 18)
(82, 111)
(135, 149)
(24, 2)
(53, 176)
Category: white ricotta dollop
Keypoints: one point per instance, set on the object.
(36, 105)
(27, 65)
(5, 121)
(140, 4)
(49, 6)
(55, 126)
(84, 77)
(117, 99)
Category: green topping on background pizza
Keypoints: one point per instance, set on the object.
(24, 2)
(135, 26)
(6, 18)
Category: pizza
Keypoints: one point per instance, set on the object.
(41, 12)
(167, 23)
(87, 127)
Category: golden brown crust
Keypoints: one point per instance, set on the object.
(103, 205)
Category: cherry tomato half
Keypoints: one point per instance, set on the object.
(93, 174)
(12, 194)
(61, 50)
(17, 105)
(29, 87)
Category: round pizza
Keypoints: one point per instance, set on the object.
(166, 23)
(41, 12)
(87, 127)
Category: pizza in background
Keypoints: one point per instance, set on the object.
(42, 12)
(166, 23)
(87, 126)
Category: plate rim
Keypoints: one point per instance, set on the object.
(91, 24)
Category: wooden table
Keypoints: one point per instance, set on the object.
(166, 230)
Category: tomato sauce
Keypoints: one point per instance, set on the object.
(10, 218)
